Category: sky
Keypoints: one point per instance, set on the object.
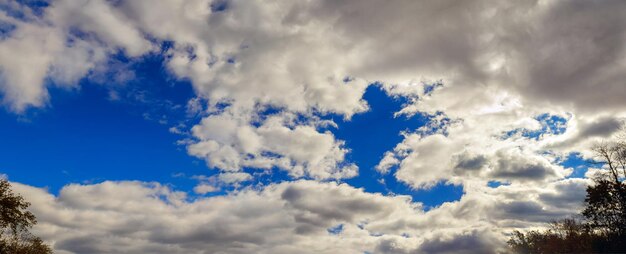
(231, 126)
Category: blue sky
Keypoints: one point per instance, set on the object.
(322, 126)
(85, 136)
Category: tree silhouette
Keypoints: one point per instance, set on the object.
(605, 204)
(15, 221)
(604, 227)
(564, 236)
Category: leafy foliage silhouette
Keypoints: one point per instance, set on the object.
(15, 221)
(603, 229)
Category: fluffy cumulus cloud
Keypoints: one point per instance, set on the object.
(528, 87)
(64, 45)
(140, 217)
(510, 89)
(215, 183)
(230, 143)
(499, 63)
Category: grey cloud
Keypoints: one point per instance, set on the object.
(526, 211)
(390, 246)
(563, 51)
(575, 54)
(322, 212)
(514, 165)
(473, 242)
(471, 163)
(137, 217)
(568, 194)
(509, 207)
(568, 52)
(592, 130)
(602, 127)
(563, 54)
(523, 172)
(560, 199)
(502, 62)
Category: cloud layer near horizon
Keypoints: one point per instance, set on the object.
(510, 90)
(140, 217)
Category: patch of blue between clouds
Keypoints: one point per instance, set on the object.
(89, 136)
(577, 163)
(430, 88)
(495, 184)
(260, 178)
(554, 125)
(37, 7)
(6, 29)
(116, 128)
(219, 5)
(369, 135)
(574, 161)
(550, 124)
(335, 230)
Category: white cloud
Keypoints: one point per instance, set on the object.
(48, 46)
(466, 155)
(232, 178)
(204, 188)
(134, 217)
(215, 183)
(500, 66)
(31, 46)
(230, 142)
(139, 217)
(499, 62)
